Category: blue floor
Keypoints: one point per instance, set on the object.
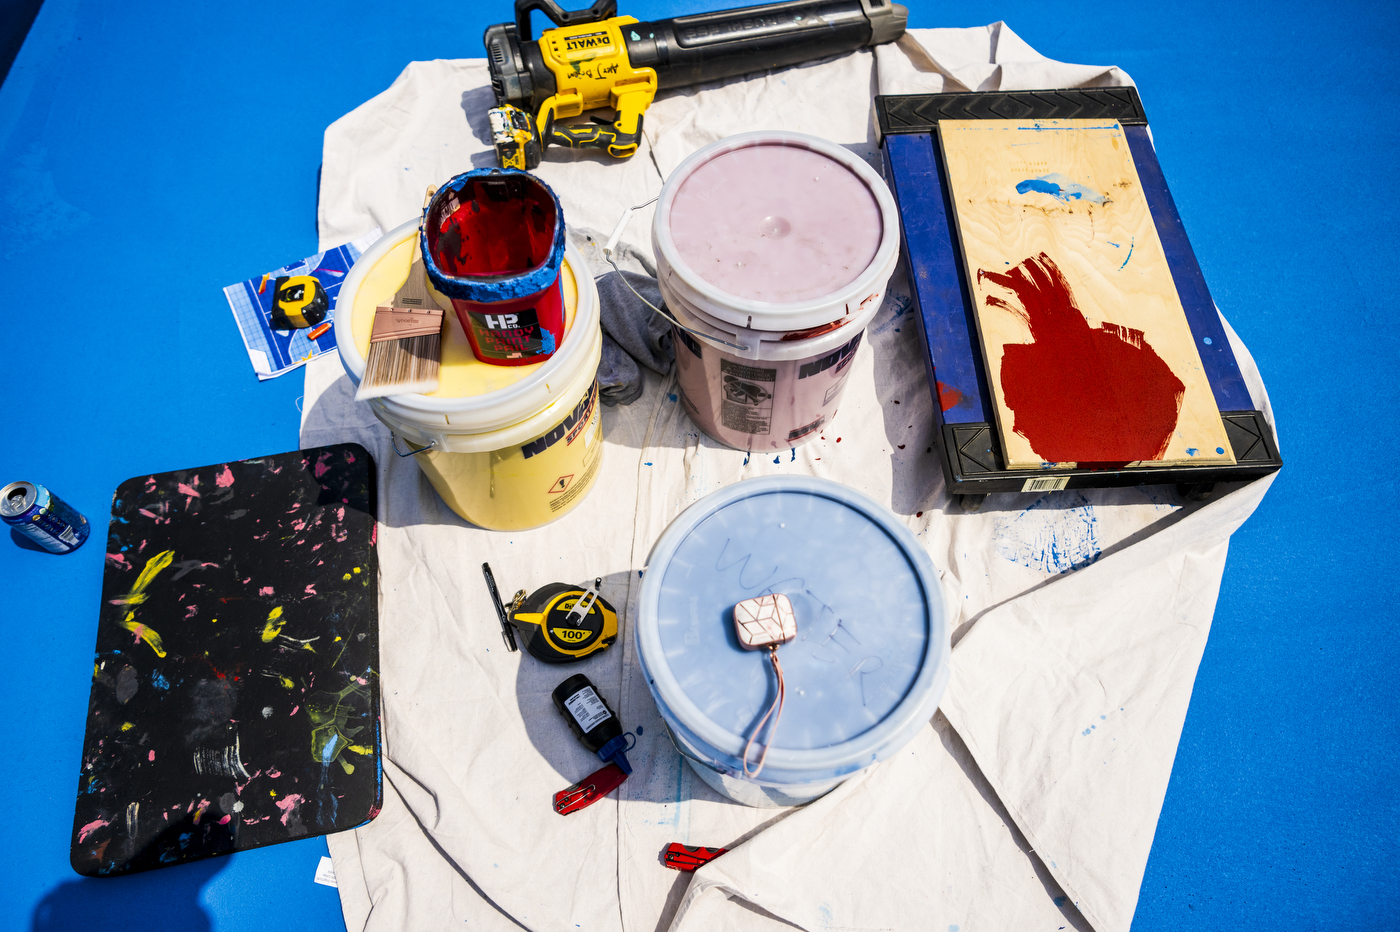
(148, 158)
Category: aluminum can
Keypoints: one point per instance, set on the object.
(45, 518)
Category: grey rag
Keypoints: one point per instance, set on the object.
(633, 334)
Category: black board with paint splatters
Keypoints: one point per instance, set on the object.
(235, 690)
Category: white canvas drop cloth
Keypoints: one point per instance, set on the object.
(1031, 799)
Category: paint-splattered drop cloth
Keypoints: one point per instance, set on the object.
(1030, 801)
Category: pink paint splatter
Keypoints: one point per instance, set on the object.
(362, 681)
(321, 467)
(294, 710)
(91, 827)
(186, 490)
(340, 514)
(147, 514)
(274, 774)
(374, 534)
(238, 787)
(287, 805)
(225, 820)
(349, 457)
(118, 559)
(151, 756)
(310, 590)
(224, 479)
(265, 590)
(190, 612)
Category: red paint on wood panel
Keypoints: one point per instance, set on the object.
(1079, 393)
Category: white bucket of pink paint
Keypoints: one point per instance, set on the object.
(773, 250)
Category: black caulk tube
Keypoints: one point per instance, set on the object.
(592, 721)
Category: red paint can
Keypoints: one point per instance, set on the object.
(493, 242)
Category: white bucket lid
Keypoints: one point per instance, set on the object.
(539, 387)
(767, 315)
(870, 660)
(766, 345)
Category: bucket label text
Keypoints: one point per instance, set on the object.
(839, 358)
(569, 428)
(746, 403)
(512, 334)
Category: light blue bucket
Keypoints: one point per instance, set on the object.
(868, 665)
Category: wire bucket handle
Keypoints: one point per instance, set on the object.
(608, 255)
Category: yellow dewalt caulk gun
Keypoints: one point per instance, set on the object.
(595, 59)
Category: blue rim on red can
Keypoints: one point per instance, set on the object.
(43, 517)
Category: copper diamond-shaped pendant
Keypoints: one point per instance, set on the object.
(766, 621)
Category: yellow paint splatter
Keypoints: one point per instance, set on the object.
(147, 634)
(286, 683)
(274, 625)
(349, 767)
(127, 726)
(154, 565)
(213, 621)
(345, 578)
(272, 792)
(337, 639)
(359, 749)
(357, 570)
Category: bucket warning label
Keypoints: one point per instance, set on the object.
(574, 488)
(561, 484)
(746, 403)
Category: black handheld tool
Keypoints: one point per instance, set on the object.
(560, 622)
(594, 59)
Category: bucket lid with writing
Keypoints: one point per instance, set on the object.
(870, 660)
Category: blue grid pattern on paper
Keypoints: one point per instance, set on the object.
(284, 350)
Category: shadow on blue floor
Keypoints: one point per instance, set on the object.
(16, 16)
(165, 900)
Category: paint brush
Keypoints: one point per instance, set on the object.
(405, 346)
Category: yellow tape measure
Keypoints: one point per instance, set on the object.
(560, 622)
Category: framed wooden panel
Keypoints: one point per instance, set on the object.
(1087, 349)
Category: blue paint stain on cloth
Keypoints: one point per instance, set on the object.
(1050, 540)
(1060, 188)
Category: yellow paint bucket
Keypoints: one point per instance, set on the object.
(507, 448)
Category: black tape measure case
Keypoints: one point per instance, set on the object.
(553, 635)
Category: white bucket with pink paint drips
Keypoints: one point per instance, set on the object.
(773, 249)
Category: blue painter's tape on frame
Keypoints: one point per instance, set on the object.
(1217, 358)
(938, 281)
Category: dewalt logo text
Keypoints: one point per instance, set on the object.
(590, 41)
